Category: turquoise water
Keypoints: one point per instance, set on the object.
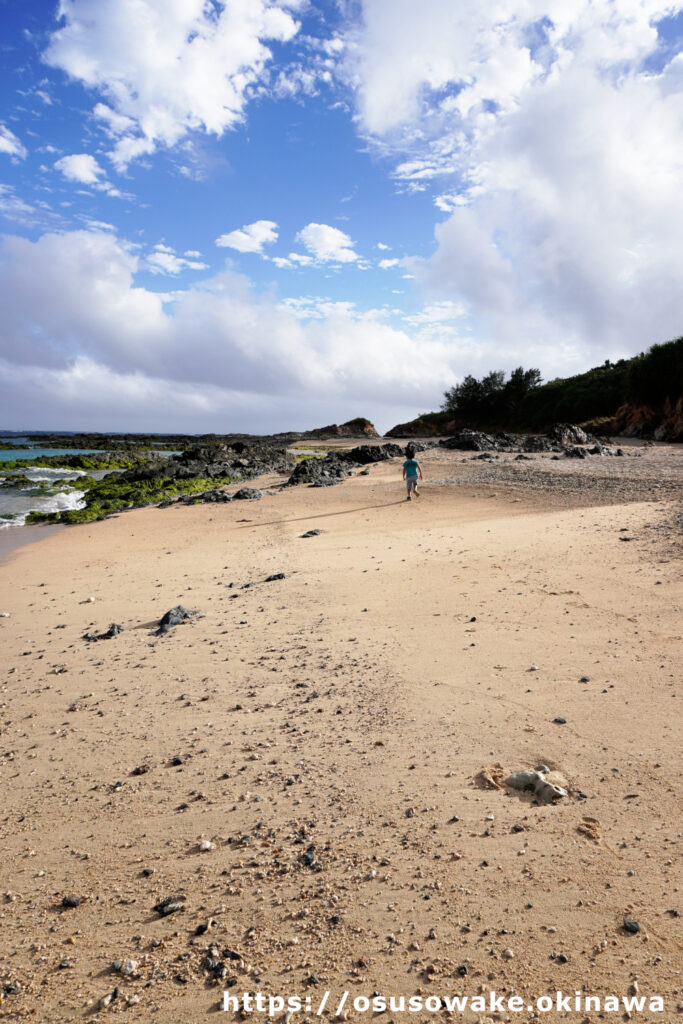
(37, 453)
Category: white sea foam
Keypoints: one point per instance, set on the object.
(42, 473)
(19, 505)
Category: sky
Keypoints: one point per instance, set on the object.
(264, 215)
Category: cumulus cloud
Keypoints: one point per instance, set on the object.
(11, 145)
(251, 237)
(80, 167)
(327, 244)
(70, 303)
(168, 67)
(388, 264)
(554, 150)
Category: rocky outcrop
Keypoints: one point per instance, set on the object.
(240, 460)
(336, 466)
(662, 423)
(319, 472)
(568, 433)
(359, 427)
(477, 441)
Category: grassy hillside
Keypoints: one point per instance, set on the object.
(653, 379)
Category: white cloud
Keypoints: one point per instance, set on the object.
(251, 237)
(436, 313)
(561, 155)
(81, 167)
(11, 145)
(387, 264)
(117, 124)
(70, 305)
(381, 245)
(327, 244)
(168, 67)
(84, 169)
(15, 208)
(164, 260)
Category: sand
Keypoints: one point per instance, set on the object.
(337, 729)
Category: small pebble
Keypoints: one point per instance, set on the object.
(508, 954)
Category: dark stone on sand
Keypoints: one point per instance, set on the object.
(631, 926)
(247, 494)
(173, 617)
(69, 902)
(177, 760)
(470, 441)
(308, 857)
(568, 433)
(275, 576)
(560, 721)
(215, 495)
(538, 443)
(312, 533)
(575, 453)
(462, 970)
(113, 630)
(169, 905)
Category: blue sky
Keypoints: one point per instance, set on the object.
(269, 214)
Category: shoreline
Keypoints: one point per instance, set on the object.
(12, 538)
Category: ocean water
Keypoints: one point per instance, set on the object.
(17, 502)
(37, 453)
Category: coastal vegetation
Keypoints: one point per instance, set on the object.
(96, 461)
(522, 402)
(113, 494)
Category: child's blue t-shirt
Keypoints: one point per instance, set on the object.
(410, 466)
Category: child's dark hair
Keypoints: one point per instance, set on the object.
(410, 452)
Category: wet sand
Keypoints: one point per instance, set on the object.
(14, 537)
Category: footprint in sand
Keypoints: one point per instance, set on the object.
(591, 828)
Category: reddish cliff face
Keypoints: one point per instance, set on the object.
(663, 423)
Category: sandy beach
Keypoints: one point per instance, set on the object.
(312, 766)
